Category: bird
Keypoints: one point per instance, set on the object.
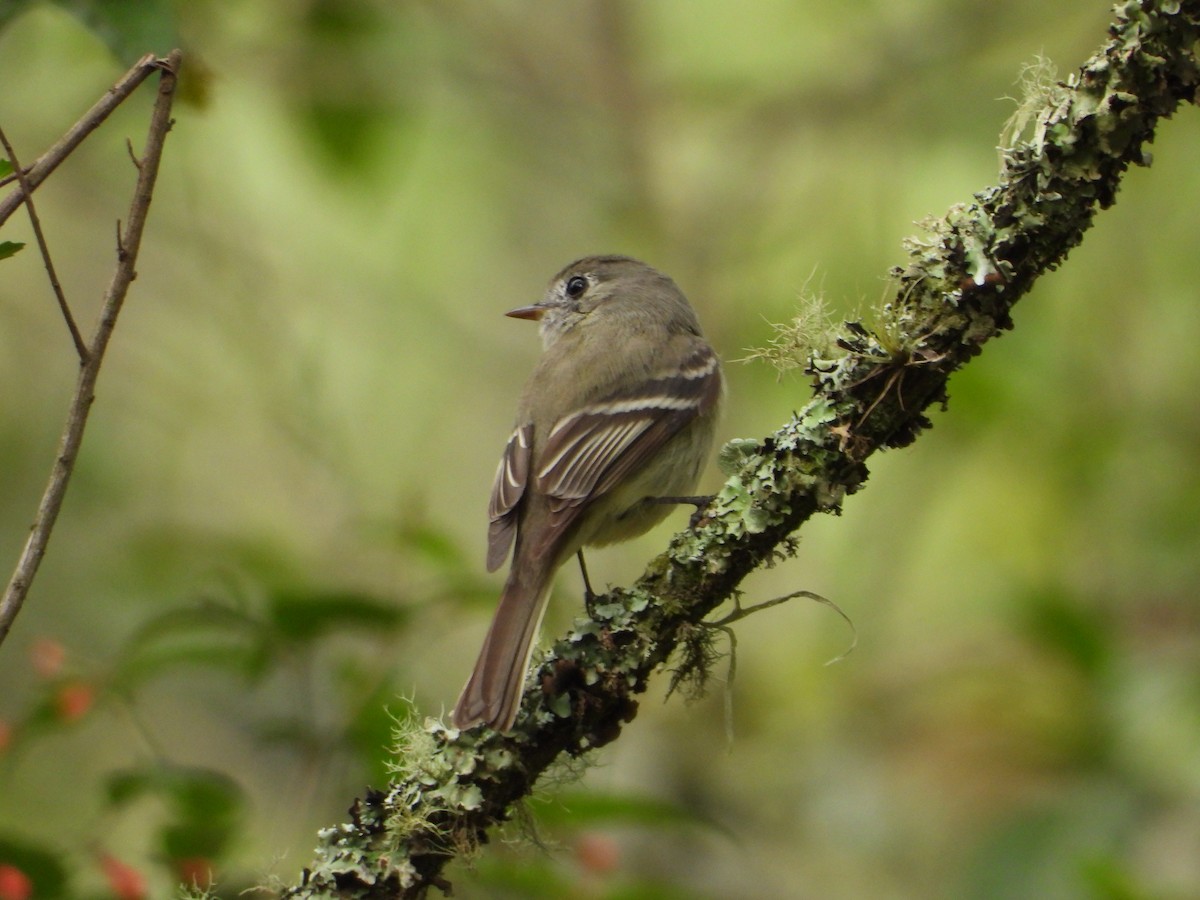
(617, 417)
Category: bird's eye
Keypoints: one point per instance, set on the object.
(576, 285)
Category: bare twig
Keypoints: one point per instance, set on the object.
(34, 221)
(114, 297)
(65, 145)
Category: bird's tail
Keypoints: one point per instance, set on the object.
(493, 692)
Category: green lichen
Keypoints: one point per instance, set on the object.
(794, 344)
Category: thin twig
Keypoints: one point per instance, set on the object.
(114, 297)
(65, 145)
(27, 191)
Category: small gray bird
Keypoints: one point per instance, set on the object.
(621, 409)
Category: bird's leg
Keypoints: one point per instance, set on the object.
(588, 594)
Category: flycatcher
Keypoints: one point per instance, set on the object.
(620, 410)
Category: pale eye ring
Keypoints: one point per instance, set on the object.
(576, 285)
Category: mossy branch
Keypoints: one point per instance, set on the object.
(1066, 157)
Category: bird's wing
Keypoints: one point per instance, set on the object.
(512, 476)
(589, 452)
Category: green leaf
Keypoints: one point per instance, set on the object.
(346, 132)
(129, 28)
(5, 166)
(43, 868)
(306, 616)
(210, 635)
(205, 806)
(1062, 623)
(433, 545)
(9, 248)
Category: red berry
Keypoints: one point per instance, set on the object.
(14, 884)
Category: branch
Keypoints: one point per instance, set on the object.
(128, 245)
(956, 293)
(65, 146)
(36, 224)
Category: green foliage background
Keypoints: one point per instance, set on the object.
(276, 531)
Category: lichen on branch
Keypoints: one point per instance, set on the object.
(1063, 162)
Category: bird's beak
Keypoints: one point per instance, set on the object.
(534, 312)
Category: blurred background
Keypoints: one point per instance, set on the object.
(273, 544)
